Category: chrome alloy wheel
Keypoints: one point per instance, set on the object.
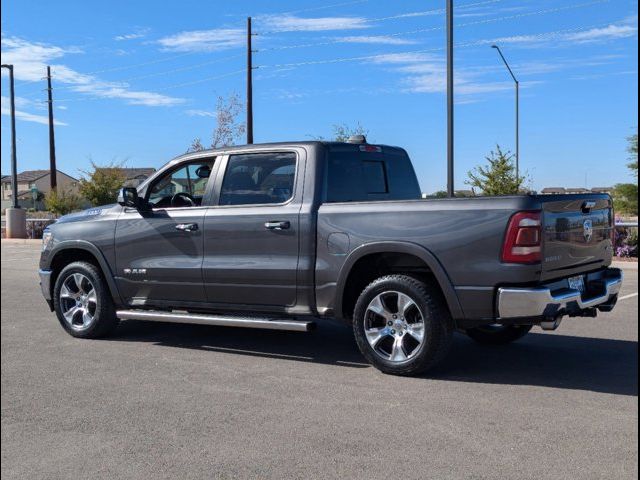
(78, 301)
(394, 326)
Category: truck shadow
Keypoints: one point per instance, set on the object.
(548, 360)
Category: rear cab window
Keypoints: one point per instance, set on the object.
(360, 173)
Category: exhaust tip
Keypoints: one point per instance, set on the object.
(551, 324)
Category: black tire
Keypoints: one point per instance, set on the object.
(436, 320)
(104, 319)
(498, 334)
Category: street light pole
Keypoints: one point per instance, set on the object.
(450, 124)
(14, 170)
(249, 84)
(517, 109)
(16, 217)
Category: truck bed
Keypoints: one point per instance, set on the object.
(466, 235)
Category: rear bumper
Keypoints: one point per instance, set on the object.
(556, 299)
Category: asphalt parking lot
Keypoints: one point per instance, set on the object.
(181, 401)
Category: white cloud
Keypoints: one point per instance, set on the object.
(133, 97)
(292, 23)
(624, 29)
(425, 73)
(138, 33)
(26, 116)
(30, 60)
(376, 39)
(610, 32)
(204, 40)
(397, 58)
(200, 113)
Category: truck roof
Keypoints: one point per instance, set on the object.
(303, 143)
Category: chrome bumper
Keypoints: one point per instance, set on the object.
(45, 283)
(549, 302)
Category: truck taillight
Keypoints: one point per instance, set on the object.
(523, 240)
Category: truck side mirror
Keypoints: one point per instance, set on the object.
(128, 197)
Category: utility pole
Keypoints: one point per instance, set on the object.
(450, 144)
(249, 84)
(53, 171)
(517, 109)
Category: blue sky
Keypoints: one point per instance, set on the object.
(136, 81)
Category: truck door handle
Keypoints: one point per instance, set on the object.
(277, 225)
(187, 227)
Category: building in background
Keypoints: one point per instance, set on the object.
(135, 176)
(33, 185)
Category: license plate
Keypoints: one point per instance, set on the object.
(577, 283)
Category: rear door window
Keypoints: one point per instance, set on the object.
(259, 179)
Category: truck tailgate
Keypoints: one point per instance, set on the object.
(576, 233)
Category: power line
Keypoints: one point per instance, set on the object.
(473, 43)
(323, 7)
(381, 19)
(97, 92)
(433, 29)
(432, 12)
(140, 77)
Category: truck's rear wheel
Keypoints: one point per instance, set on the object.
(82, 301)
(402, 325)
(498, 334)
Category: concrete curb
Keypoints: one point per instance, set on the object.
(625, 265)
(21, 241)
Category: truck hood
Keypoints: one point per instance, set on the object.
(90, 213)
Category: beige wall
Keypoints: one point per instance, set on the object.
(65, 182)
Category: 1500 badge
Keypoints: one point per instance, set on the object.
(135, 271)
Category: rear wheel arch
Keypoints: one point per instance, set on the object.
(373, 260)
(63, 255)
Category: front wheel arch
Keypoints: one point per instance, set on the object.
(63, 255)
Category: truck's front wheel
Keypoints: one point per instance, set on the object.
(402, 325)
(82, 301)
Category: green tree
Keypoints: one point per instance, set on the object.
(62, 201)
(101, 185)
(633, 150)
(625, 195)
(625, 198)
(498, 177)
(438, 194)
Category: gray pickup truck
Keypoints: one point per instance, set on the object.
(280, 236)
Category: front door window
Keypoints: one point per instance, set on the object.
(182, 187)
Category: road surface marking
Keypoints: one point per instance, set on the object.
(631, 295)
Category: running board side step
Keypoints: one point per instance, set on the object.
(219, 320)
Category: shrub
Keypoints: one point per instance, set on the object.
(626, 243)
(62, 202)
(101, 185)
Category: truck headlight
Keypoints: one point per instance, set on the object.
(46, 239)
